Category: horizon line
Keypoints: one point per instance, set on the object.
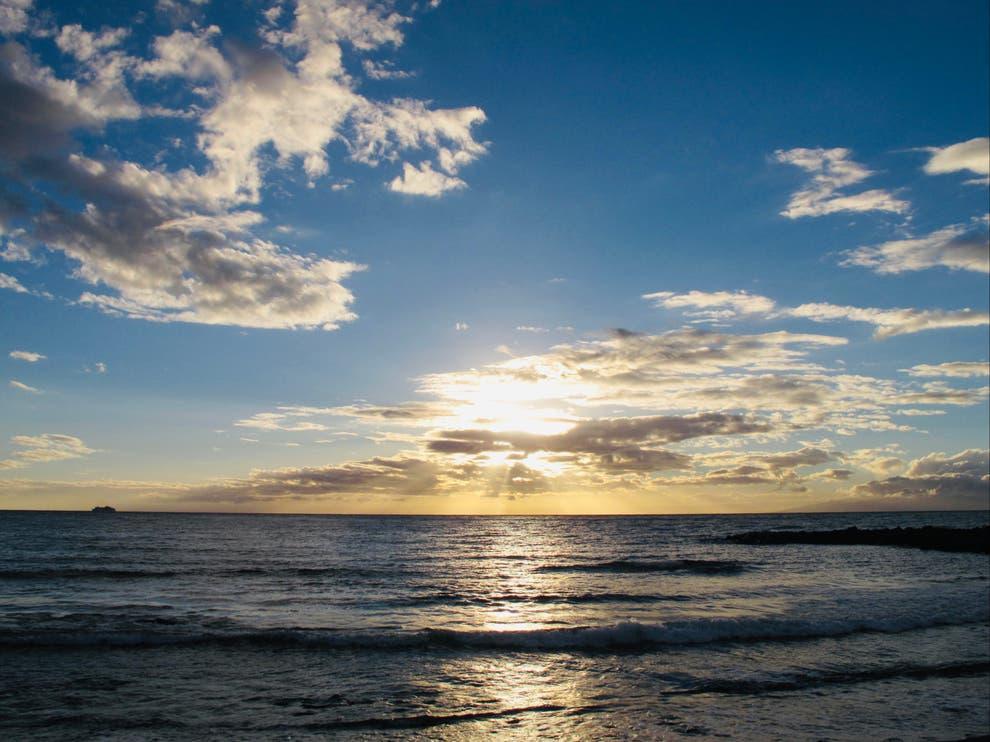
(509, 515)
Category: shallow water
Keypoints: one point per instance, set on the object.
(180, 626)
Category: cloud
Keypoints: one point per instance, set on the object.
(27, 356)
(12, 284)
(179, 12)
(278, 421)
(532, 328)
(423, 180)
(957, 247)
(187, 54)
(833, 474)
(614, 444)
(403, 412)
(881, 461)
(972, 155)
(14, 16)
(726, 305)
(935, 481)
(971, 462)
(297, 418)
(15, 384)
(955, 369)
(941, 394)
(831, 171)
(395, 477)
(891, 322)
(44, 448)
(462, 326)
(778, 470)
(713, 305)
(384, 71)
(626, 365)
(97, 368)
(13, 250)
(686, 370)
(178, 244)
(524, 480)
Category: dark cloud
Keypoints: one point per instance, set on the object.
(614, 444)
(776, 469)
(603, 436)
(394, 413)
(837, 474)
(398, 476)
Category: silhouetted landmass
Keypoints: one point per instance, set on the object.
(104, 509)
(928, 537)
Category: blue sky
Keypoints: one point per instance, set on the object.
(307, 219)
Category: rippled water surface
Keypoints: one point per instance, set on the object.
(170, 626)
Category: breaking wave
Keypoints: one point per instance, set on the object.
(693, 566)
(627, 636)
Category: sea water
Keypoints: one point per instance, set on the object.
(193, 626)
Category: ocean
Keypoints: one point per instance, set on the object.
(202, 626)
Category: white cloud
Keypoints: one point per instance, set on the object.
(12, 284)
(423, 180)
(173, 245)
(14, 251)
(462, 326)
(41, 449)
(27, 356)
(278, 421)
(187, 54)
(383, 71)
(727, 305)
(713, 305)
(957, 247)
(14, 16)
(532, 328)
(972, 155)
(832, 170)
(86, 46)
(15, 384)
(955, 369)
(97, 368)
(891, 322)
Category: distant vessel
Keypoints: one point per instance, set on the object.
(104, 509)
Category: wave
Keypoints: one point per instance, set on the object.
(694, 566)
(95, 573)
(425, 721)
(453, 598)
(836, 677)
(628, 636)
(82, 574)
(318, 571)
(618, 566)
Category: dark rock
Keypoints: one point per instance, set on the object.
(975, 540)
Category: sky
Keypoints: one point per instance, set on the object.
(494, 257)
